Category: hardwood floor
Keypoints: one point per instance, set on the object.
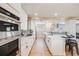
(39, 48)
(17, 53)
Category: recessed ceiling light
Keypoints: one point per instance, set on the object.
(55, 14)
(35, 14)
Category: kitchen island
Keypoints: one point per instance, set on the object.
(56, 44)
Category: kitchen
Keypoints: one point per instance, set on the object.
(21, 28)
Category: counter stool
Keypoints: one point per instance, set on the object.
(67, 43)
(72, 43)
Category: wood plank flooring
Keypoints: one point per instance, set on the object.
(39, 48)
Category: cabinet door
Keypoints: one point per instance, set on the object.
(4, 50)
(24, 46)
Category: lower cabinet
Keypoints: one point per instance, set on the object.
(56, 45)
(9, 49)
(26, 45)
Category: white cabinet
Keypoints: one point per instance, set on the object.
(26, 45)
(10, 8)
(48, 42)
(56, 45)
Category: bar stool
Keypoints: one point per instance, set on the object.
(72, 43)
(67, 43)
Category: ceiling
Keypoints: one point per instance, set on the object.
(51, 9)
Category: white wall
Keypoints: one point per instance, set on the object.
(71, 26)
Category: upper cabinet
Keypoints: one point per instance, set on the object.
(11, 7)
(5, 12)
